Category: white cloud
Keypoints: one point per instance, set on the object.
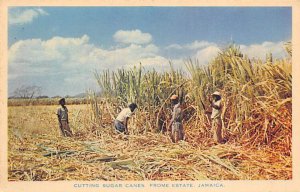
(198, 45)
(189, 50)
(132, 37)
(23, 16)
(49, 62)
(33, 52)
(69, 62)
(204, 51)
(204, 56)
(260, 50)
(65, 65)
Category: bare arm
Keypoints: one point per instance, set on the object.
(125, 124)
(216, 106)
(58, 117)
(171, 122)
(67, 111)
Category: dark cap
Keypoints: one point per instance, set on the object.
(132, 106)
(62, 100)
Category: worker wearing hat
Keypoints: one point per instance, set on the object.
(176, 127)
(216, 117)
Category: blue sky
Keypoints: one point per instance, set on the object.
(59, 47)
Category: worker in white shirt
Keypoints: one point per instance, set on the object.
(121, 121)
(216, 117)
(177, 132)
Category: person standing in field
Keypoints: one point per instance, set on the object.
(216, 105)
(121, 122)
(176, 127)
(63, 119)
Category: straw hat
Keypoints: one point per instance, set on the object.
(173, 97)
(217, 93)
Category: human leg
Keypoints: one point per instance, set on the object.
(217, 130)
(61, 129)
(68, 130)
(119, 126)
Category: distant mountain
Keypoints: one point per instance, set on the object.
(80, 95)
(83, 95)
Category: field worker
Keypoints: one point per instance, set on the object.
(62, 114)
(216, 116)
(121, 121)
(176, 127)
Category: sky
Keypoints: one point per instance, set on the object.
(59, 48)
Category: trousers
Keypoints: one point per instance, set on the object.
(177, 130)
(65, 129)
(217, 129)
(119, 126)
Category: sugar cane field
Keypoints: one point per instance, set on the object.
(256, 123)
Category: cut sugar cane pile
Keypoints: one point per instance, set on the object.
(149, 156)
(256, 123)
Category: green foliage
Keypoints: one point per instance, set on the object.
(250, 90)
(136, 85)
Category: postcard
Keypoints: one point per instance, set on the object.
(149, 96)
